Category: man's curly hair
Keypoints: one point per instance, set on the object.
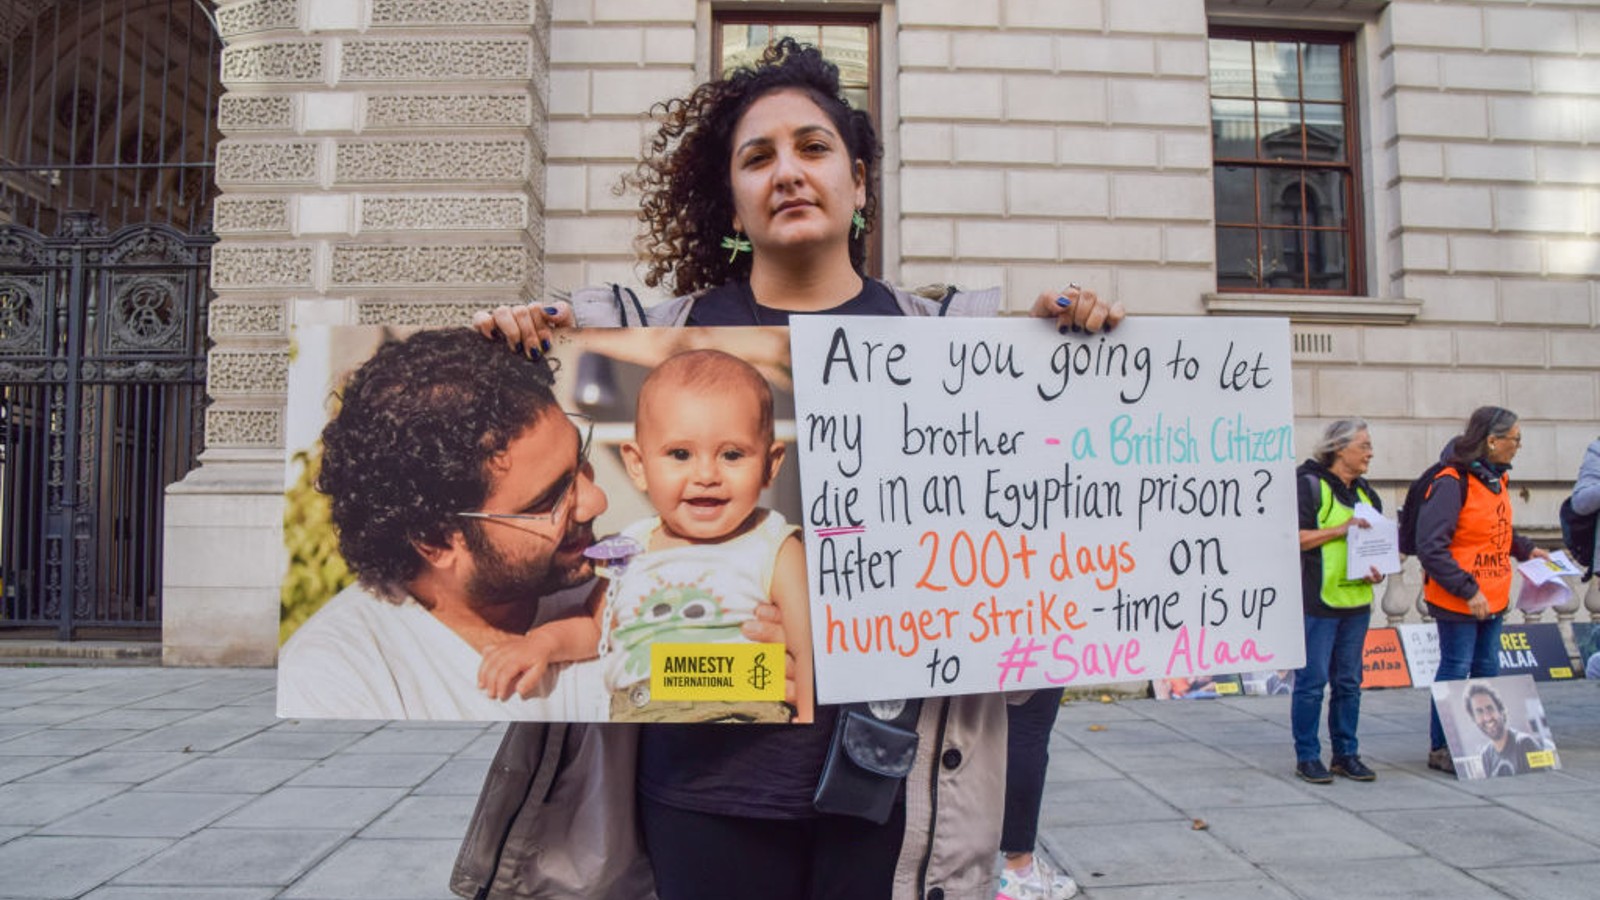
(411, 445)
(687, 204)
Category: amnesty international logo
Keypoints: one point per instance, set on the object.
(760, 675)
(716, 671)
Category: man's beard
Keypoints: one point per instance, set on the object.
(499, 582)
(1495, 731)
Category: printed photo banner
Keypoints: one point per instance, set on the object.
(1496, 727)
(990, 505)
(664, 640)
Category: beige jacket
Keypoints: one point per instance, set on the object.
(556, 817)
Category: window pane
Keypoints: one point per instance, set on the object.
(1277, 69)
(1280, 196)
(742, 45)
(1329, 269)
(1325, 199)
(1282, 265)
(1236, 194)
(1325, 138)
(805, 34)
(1323, 79)
(1280, 130)
(846, 47)
(1236, 257)
(1233, 129)
(1230, 68)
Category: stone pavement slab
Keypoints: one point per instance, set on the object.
(345, 809)
(148, 813)
(444, 817)
(236, 856)
(1401, 878)
(382, 870)
(372, 770)
(113, 766)
(1482, 838)
(1544, 882)
(63, 867)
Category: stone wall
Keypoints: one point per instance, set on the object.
(383, 161)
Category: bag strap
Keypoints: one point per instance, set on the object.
(623, 307)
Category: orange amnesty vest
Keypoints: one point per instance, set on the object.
(1481, 545)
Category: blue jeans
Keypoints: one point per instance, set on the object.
(1027, 757)
(1333, 654)
(1466, 649)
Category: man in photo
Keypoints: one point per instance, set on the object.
(1508, 749)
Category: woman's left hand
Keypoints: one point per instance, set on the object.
(1539, 553)
(767, 628)
(1078, 309)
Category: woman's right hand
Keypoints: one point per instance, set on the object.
(529, 328)
(1479, 605)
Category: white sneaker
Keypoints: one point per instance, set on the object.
(1042, 881)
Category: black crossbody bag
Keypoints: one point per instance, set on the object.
(873, 748)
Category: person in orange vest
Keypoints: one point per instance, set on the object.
(1465, 544)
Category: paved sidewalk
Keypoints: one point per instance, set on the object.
(147, 783)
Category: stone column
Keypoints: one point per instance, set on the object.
(382, 162)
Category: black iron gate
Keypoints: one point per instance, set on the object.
(102, 362)
(108, 129)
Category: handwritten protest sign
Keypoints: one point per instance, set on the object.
(990, 505)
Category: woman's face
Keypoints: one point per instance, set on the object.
(795, 185)
(1503, 448)
(1356, 455)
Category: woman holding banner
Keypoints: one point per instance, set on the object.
(1337, 608)
(758, 192)
(1465, 544)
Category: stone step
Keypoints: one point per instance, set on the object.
(80, 653)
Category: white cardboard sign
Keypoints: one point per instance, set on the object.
(990, 505)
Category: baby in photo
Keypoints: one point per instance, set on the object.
(703, 451)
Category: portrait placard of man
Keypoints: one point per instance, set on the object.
(1509, 751)
(464, 501)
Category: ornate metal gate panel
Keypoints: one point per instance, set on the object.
(102, 364)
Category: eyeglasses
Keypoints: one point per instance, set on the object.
(560, 503)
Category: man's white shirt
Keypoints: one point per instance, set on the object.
(363, 657)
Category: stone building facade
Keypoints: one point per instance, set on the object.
(407, 161)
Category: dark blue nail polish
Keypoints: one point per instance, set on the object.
(1062, 330)
(1064, 302)
(544, 345)
(551, 310)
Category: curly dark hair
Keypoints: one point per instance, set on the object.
(411, 444)
(687, 204)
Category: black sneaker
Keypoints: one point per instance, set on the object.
(1352, 768)
(1313, 770)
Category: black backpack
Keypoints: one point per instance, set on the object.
(1412, 507)
(1577, 532)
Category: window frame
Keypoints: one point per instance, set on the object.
(1354, 229)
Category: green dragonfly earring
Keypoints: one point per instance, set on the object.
(737, 243)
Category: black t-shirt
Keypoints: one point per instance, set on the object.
(754, 771)
(734, 304)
